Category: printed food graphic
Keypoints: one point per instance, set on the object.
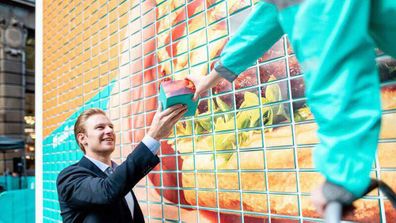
(218, 157)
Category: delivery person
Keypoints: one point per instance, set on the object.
(334, 41)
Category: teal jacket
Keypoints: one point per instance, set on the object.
(346, 108)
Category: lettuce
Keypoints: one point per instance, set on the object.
(245, 118)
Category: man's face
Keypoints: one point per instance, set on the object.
(99, 135)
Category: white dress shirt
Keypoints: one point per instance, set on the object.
(151, 143)
(153, 146)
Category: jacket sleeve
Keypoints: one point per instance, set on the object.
(78, 188)
(257, 34)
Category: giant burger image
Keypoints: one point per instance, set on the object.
(248, 148)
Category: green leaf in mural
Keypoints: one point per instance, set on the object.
(225, 141)
(302, 114)
(222, 124)
(198, 128)
(273, 93)
(248, 118)
(189, 127)
(206, 123)
(244, 136)
(202, 126)
(222, 105)
(268, 116)
(264, 100)
(222, 159)
(243, 120)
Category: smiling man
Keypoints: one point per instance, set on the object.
(97, 190)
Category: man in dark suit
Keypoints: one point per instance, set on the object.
(97, 190)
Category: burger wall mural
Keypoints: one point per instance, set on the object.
(246, 154)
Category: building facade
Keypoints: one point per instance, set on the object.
(17, 28)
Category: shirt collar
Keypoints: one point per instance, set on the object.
(102, 166)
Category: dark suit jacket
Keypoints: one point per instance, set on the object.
(86, 194)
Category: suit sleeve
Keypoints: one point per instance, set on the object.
(80, 189)
(257, 34)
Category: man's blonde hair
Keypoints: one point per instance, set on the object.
(79, 126)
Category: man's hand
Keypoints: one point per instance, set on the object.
(164, 121)
(205, 83)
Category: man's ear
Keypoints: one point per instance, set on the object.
(82, 139)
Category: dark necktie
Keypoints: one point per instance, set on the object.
(128, 197)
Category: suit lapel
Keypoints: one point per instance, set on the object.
(138, 216)
(86, 163)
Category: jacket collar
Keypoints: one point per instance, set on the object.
(99, 164)
(86, 163)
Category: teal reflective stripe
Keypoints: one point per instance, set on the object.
(342, 88)
(256, 35)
